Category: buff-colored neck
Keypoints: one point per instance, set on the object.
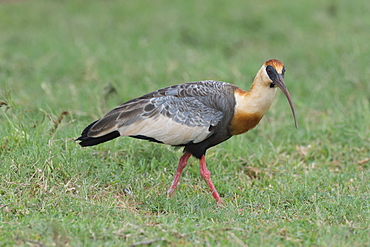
(258, 99)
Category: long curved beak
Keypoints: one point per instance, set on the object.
(279, 81)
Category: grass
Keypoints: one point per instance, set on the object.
(63, 64)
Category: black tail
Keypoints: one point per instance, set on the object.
(91, 141)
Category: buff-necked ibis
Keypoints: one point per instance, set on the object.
(195, 115)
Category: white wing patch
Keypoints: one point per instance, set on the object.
(165, 130)
(174, 115)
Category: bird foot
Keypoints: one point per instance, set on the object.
(220, 203)
(171, 191)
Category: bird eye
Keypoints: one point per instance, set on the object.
(268, 70)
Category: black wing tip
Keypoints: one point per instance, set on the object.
(86, 140)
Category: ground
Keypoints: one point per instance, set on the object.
(63, 64)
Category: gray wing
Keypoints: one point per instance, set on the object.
(174, 115)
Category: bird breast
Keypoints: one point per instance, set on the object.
(242, 122)
(250, 107)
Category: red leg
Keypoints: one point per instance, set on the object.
(182, 163)
(206, 174)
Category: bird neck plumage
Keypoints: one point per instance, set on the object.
(258, 99)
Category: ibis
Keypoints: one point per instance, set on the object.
(195, 116)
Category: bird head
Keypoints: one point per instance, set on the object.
(274, 75)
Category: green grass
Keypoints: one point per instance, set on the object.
(282, 186)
